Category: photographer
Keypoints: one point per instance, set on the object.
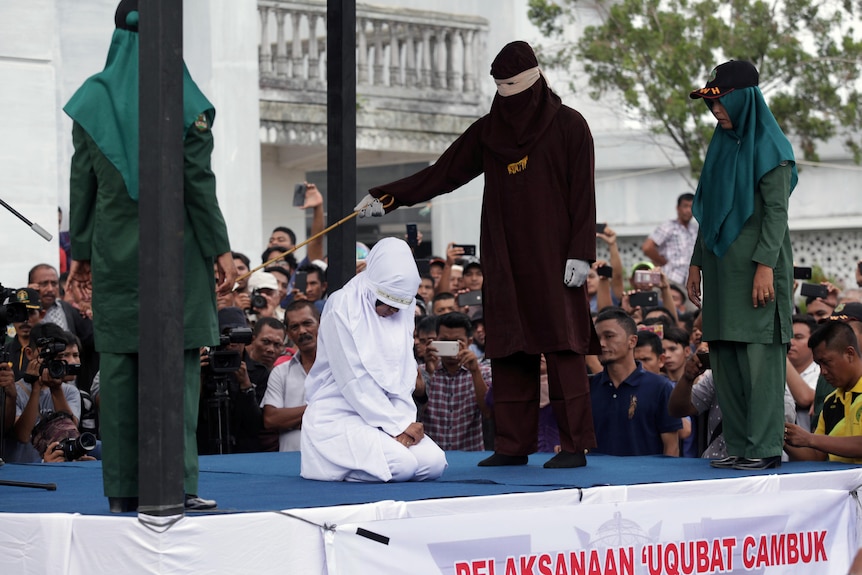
(55, 454)
(39, 394)
(230, 416)
(265, 300)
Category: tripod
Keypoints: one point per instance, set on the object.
(7, 483)
(218, 414)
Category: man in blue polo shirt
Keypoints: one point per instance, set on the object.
(629, 403)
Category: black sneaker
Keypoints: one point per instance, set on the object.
(195, 503)
(724, 462)
(745, 463)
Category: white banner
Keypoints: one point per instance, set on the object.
(792, 532)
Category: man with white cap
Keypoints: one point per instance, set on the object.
(360, 423)
(265, 284)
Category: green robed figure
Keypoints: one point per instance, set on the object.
(104, 230)
(743, 253)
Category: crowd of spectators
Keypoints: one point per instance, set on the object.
(652, 389)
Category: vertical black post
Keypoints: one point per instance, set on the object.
(160, 372)
(341, 137)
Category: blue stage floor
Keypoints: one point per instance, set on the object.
(271, 481)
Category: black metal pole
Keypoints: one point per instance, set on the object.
(160, 372)
(341, 137)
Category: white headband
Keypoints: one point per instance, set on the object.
(519, 83)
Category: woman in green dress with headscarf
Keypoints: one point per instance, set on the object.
(744, 258)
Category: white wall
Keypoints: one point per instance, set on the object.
(49, 47)
(28, 149)
(280, 176)
(220, 49)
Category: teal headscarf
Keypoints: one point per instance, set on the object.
(735, 162)
(106, 105)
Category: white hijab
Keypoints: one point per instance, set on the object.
(385, 344)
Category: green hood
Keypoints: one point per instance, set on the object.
(106, 105)
(735, 162)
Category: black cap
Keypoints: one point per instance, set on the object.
(468, 262)
(231, 317)
(27, 296)
(726, 78)
(851, 311)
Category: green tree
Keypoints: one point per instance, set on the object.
(653, 52)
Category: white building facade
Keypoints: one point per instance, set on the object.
(422, 79)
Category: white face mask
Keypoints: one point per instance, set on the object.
(519, 83)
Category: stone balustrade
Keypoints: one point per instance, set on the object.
(401, 53)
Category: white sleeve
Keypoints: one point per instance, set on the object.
(274, 395)
(359, 389)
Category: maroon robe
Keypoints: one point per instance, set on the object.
(538, 211)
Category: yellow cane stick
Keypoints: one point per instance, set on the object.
(386, 204)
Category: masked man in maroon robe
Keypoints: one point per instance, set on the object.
(537, 242)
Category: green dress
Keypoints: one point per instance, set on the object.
(748, 345)
(104, 230)
(741, 204)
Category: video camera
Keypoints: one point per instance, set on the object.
(223, 360)
(217, 382)
(49, 349)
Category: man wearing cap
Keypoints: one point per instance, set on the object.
(265, 284)
(537, 228)
(14, 369)
(743, 262)
(16, 345)
(104, 226)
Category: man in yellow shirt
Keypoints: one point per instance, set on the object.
(839, 430)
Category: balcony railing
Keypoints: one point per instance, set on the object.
(400, 53)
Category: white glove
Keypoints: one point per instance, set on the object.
(369, 206)
(576, 273)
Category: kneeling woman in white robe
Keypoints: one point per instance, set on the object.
(360, 423)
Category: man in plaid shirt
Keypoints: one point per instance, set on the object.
(455, 388)
(671, 244)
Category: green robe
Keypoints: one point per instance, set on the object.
(728, 314)
(104, 229)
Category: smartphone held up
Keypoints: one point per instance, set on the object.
(299, 195)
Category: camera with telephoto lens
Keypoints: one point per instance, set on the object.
(77, 447)
(224, 360)
(258, 301)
